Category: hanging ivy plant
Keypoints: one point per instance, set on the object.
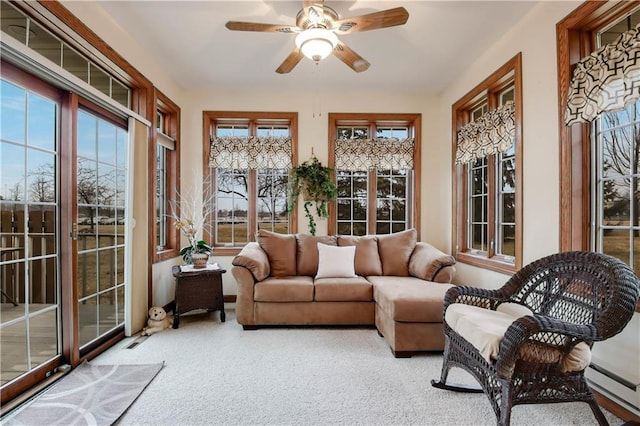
(313, 181)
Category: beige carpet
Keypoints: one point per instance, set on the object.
(89, 395)
(217, 373)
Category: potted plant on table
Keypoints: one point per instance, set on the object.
(313, 181)
(191, 211)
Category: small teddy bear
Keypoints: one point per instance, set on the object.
(157, 322)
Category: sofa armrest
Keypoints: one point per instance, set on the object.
(430, 264)
(254, 259)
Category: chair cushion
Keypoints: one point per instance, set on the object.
(281, 251)
(409, 299)
(485, 329)
(395, 251)
(367, 258)
(307, 252)
(284, 289)
(343, 290)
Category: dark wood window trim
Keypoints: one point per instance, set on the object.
(209, 122)
(460, 116)
(415, 123)
(171, 127)
(575, 36)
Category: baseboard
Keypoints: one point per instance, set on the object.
(627, 416)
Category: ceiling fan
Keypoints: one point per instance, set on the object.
(318, 26)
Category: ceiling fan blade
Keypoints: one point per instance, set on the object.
(351, 58)
(256, 26)
(291, 61)
(372, 21)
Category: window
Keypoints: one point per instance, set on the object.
(376, 161)
(599, 160)
(250, 155)
(165, 164)
(28, 32)
(487, 180)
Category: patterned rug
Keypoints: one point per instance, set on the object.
(89, 395)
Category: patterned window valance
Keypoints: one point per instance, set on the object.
(606, 80)
(250, 152)
(364, 154)
(492, 133)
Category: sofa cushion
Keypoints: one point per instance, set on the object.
(281, 250)
(485, 329)
(284, 289)
(307, 252)
(367, 258)
(356, 289)
(335, 261)
(395, 251)
(426, 261)
(254, 259)
(409, 299)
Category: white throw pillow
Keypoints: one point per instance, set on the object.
(336, 261)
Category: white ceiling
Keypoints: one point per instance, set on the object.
(189, 40)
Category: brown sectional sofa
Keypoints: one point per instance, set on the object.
(392, 282)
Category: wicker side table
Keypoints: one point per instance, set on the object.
(198, 289)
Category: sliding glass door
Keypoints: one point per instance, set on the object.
(63, 171)
(30, 333)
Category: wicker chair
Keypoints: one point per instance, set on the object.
(575, 297)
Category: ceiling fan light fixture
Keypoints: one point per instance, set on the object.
(316, 43)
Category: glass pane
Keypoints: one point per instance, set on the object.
(615, 242)
(87, 175)
(359, 228)
(13, 23)
(100, 80)
(41, 176)
(383, 210)
(383, 228)
(397, 227)
(42, 228)
(509, 240)
(399, 186)
(478, 237)
(383, 187)
(344, 228)
(508, 175)
(121, 147)
(120, 301)
(360, 186)
(360, 209)
(42, 283)
(399, 210)
(43, 337)
(478, 209)
(106, 188)
(616, 203)
(42, 123)
(44, 43)
(107, 311)
(107, 268)
(12, 171)
(87, 134)
(13, 120)
(75, 64)
(88, 320)
(14, 348)
(119, 93)
(241, 233)
(120, 265)
(508, 208)
(121, 181)
(224, 232)
(106, 228)
(87, 271)
(479, 185)
(615, 153)
(344, 186)
(107, 142)
(344, 209)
